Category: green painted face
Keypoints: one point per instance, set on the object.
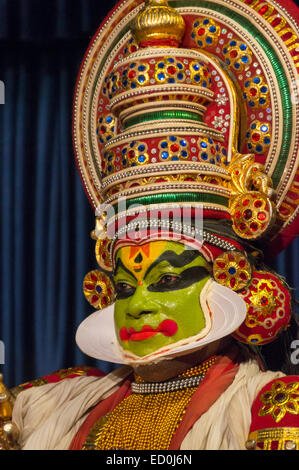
(158, 287)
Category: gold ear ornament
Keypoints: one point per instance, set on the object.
(98, 289)
(232, 269)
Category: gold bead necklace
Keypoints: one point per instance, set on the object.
(145, 421)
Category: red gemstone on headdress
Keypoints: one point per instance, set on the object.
(243, 276)
(233, 282)
(171, 69)
(93, 277)
(253, 91)
(276, 22)
(256, 137)
(264, 301)
(254, 226)
(242, 263)
(233, 54)
(103, 129)
(242, 226)
(263, 10)
(258, 203)
(246, 202)
(261, 216)
(287, 36)
(174, 147)
(201, 31)
(131, 154)
(131, 74)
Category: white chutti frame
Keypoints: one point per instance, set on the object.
(224, 312)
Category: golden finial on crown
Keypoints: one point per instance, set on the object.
(158, 25)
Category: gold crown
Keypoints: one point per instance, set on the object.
(158, 22)
(158, 142)
(190, 124)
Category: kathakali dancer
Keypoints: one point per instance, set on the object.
(186, 117)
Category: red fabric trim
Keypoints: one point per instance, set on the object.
(71, 373)
(63, 374)
(216, 381)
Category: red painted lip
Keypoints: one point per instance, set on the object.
(166, 327)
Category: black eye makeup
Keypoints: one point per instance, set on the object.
(169, 282)
(123, 290)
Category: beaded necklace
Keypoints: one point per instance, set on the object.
(147, 420)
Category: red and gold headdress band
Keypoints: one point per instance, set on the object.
(183, 105)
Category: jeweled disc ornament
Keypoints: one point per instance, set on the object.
(253, 215)
(98, 289)
(268, 309)
(232, 269)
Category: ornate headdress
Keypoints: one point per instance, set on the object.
(190, 108)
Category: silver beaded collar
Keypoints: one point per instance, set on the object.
(169, 386)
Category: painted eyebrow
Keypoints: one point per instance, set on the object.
(175, 260)
(119, 264)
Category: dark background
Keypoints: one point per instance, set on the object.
(46, 220)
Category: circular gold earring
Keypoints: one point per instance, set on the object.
(98, 289)
(232, 269)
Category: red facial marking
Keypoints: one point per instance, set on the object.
(166, 327)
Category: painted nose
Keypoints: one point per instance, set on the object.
(138, 314)
(140, 304)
